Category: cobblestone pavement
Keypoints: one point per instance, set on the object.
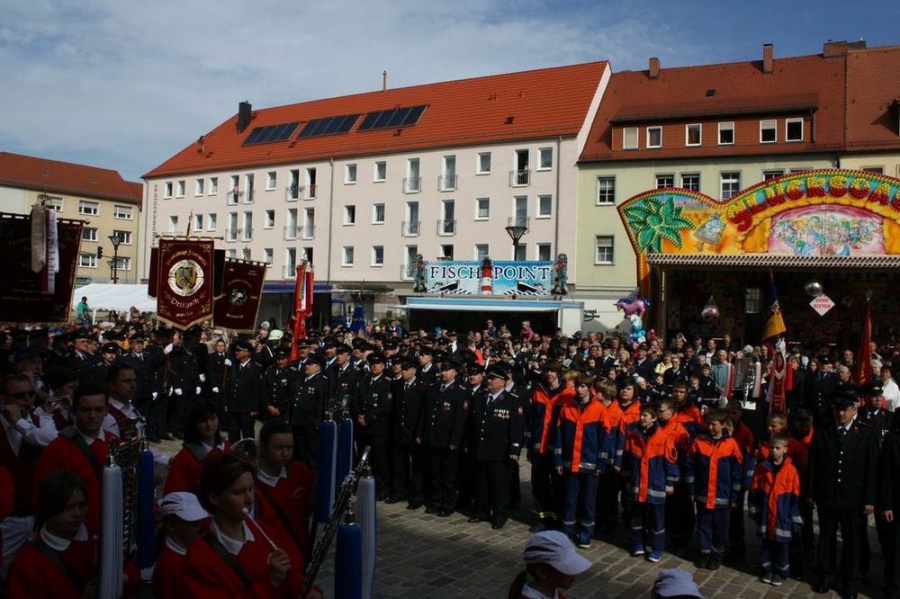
(424, 556)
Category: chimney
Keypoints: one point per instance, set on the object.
(244, 110)
(384, 81)
(840, 48)
(654, 68)
(768, 58)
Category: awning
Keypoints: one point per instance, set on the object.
(766, 261)
(107, 296)
(477, 305)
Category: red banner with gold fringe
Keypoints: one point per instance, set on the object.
(185, 281)
(242, 285)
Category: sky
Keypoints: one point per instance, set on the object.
(126, 84)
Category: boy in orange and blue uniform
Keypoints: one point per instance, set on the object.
(774, 504)
(612, 441)
(577, 459)
(650, 466)
(714, 471)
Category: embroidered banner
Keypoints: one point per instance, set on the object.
(185, 281)
(242, 284)
(21, 298)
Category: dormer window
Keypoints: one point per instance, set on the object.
(793, 130)
(768, 132)
(693, 134)
(654, 137)
(630, 138)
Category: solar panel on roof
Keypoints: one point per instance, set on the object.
(270, 133)
(393, 117)
(330, 125)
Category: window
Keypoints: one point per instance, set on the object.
(231, 232)
(269, 219)
(630, 138)
(198, 187)
(290, 263)
(173, 224)
(377, 255)
(246, 254)
(347, 256)
(604, 252)
(312, 188)
(248, 189)
(413, 183)
(271, 180)
(752, 300)
(350, 173)
(545, 206)
(89, 234)
(693, 135)
(211, 222)
(654, 137)
(447, 225)
(730, 184)
(268, 256)
(690, 181)
(378, 214)
(380, 171)
(545, 159)
(123, 212)
(665, 181)
(772, 174)
(482, 208)
(447, 252)
(411, 225)
(877, 170)
(448, 178)
(309, 223)
(213, 186)
(235, 192)
(179, 189)
(89, 208)
(349, 215)
(124, 263)
(726, 134)
(167, 189)
(543, 251)
(482, 251)
(198, 222)
(232, 254)
(793, 130)
(54, 203)
(768, 131)
(483, 167)
(124, 237)
(248, 226)
(606, 191)
(87, 260)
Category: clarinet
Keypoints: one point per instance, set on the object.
(341, 503)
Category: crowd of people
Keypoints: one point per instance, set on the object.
(675, 440)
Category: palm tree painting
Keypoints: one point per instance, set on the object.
(653, 222)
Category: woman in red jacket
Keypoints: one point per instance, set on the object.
(237, 558)
(201, 439)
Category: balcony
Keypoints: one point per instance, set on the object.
(248, 234)
(290, 232)
(311, 192)
(447, 183)
(232, 234)
(519, 221)
(411, 228)
(308, 231)
(289, 271)
(412, 185)
(520, 178)
(446, 227)
(292, 192)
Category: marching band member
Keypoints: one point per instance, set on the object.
(182, 517)
(202, 438)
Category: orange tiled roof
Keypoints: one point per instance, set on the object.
(794, 86)
(873, 86)
(542, 103)
(53, 176)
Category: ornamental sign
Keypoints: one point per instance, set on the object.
(185, 281)
(822, 304)
(487, 277)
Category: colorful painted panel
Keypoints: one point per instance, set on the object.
(458, 277)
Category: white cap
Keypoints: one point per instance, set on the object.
(676, 582)
(555, 549)
(276, 335)
(184, 505)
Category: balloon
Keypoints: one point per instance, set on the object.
(710, 312)
(813, 288)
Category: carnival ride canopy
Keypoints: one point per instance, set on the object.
(121, 298)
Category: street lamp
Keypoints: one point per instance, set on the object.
(114, 263)
(518, 226)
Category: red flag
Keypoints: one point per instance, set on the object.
(185, 285)
(862, 364)
(303, 302)
(242, 285)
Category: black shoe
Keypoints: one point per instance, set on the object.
(715, 562)
(414, 505)
(478, 518)
(431, 510)
(820, 588)
(445, 513)
(497, 525)
(701, 562)
(392, 500)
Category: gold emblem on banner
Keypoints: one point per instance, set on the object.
(185, 277)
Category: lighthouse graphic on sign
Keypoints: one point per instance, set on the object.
(487, 277)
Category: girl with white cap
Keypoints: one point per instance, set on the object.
(551, 564)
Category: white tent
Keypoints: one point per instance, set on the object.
(106, 296)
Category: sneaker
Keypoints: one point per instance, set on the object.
(766, 578)
(583, 540)
(654, 556)
(777, 580)
(637, 551)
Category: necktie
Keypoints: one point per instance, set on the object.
(842, 434)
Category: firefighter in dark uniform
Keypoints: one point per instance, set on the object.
(441, 432)
(217, 365)
(427, 372)
(474, 387)
(343, 379)
(308, 410)
(406, 456)
(843, 485)
(243, 394)
(81, 360)
(496, 428)
(281, 385)
(145, 365)
(183, 383)
(372, 414)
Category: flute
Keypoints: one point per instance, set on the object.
(246, 512)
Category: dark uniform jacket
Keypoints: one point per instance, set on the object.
(878, 420)
(343, 383)
(146, 365)
(443, 419)
(310, 401)
(373, 402)
(843, 474)
(215, 371)
(184, 371)
(406, 410)
(244, 393)
(281, 387)
(496, 427)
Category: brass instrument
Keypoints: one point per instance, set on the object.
(124, 452)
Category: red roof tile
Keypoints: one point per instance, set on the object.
(52, 176)
(542, 103)
(873, 86)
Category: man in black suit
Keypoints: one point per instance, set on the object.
(145, 365)
(406, 456)
(843, 485)
(372, 412)
(343, 378)
(308, 410)
(243, 394)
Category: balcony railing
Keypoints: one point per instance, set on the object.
(308, 231)
(446, 227)
(232, 234)
(292, 192)
(289, 271)
(412, 185)
(447, 183)
(248, 234)
(411, 228)
(519, 178)
(520, 221)
(290, 232)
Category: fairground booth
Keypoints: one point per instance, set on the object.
(827, 239)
